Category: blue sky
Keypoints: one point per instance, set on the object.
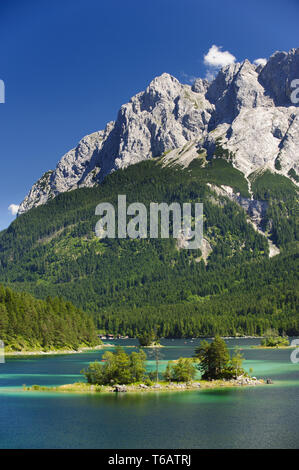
(68, 65)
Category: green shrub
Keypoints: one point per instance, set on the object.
(182, 370)
(118, 367)
(275, 341)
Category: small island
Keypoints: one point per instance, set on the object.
(273, 340)
(149, 340)
(119, 371)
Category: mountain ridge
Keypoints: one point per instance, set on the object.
(245, 110)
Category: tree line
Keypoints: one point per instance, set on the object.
(27, 323)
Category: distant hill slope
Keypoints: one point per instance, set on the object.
(232, 287)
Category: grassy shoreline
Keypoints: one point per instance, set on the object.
(83, 387)
(58, 351)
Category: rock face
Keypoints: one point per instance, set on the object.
(254, 208)
(248, 109)
(120, 388)
(278, 74)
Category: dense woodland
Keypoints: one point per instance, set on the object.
(282, 216)
(30, 324)
(129, 286)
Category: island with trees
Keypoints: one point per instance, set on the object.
(119, 371)
(149, 340)
(273, 340)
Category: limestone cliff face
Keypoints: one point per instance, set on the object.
(248, 109)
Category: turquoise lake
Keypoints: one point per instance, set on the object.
(256, 417)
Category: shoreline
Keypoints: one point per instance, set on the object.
(110, 345)
(59, 351)
(101, 346)
(83, 387)
(274, 347)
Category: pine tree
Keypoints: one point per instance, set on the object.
(214, 358)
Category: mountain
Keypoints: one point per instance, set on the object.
(230, 144)
(247, 109)
(233, 285)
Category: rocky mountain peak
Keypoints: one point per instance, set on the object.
(277, 75)
(164, 85)
(200, 86)
(246, 107)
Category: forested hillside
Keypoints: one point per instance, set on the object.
(30, 324)
(132, 285)
(282, 215)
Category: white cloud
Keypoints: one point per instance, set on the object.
(13, 208)
(217, 58)
(260, 62)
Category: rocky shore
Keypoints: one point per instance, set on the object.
(82, 387)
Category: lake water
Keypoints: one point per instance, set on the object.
(255, 417)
